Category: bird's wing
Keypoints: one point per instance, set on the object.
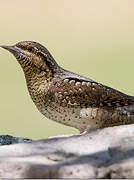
(88, 93)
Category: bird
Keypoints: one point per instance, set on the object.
(67, 97)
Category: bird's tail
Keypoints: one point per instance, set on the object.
(120, 116)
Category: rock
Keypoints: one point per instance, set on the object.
(105, 153)
(6, 140)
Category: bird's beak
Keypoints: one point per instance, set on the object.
(13, 49)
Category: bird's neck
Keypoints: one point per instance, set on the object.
(36, 76)
(37, 82)
(34, 71)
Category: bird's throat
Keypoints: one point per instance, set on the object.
(37, 82)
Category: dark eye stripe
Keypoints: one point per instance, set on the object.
(30, 49)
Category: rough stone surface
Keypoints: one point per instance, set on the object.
(106, 153)
(6, 140)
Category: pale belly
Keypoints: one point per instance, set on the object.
(84, 119)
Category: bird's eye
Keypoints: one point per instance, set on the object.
(30, 49)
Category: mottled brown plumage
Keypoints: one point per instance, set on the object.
(69, 98)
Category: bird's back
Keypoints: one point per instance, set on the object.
(85, 104)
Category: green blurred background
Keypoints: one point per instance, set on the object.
(90, 37)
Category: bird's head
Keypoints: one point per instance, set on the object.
(33, 55)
